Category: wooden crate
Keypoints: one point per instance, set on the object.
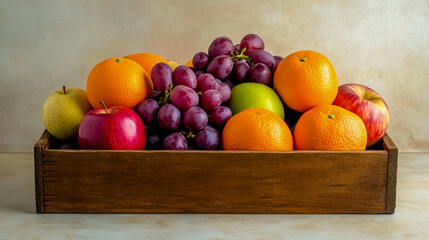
(107, 181)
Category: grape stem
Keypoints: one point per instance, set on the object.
(166, 98)
(188, 134)
(237, 56)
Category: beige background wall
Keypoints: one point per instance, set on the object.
(45, 44)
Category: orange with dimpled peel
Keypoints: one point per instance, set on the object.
(306, 79)
(329, 127)
(256, 129)
(146, 60)
(118, 82)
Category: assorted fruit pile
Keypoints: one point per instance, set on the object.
(232, 97)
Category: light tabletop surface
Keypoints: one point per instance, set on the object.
(19, 220)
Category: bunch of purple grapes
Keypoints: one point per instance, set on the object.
(186, 111)
(235, 64)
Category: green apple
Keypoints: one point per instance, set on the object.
(63, 111)
(255, 95)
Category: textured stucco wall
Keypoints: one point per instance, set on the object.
(45, 44)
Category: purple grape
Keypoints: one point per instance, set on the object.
(192, 146)
(147, 110)
(68, 146)
(225, 91)
(206, 81)
(260, 73)
(162, 76)
(251, 42)
(198, 73)
(241, 71)
(155, 137)
(195, 118)
(230, 83)
(154, 93)
(278, 60)
(237, 47)
(169, 117)
(261, 56)
(219, 116)
(208, 126)
(221, 46)
(183, 75)
(153, 141)
(200, 60)
(207, 139)
(175, 141)
(220, 67)
(184, 97)
(211, 99)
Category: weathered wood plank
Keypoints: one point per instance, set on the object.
(214, 182)
(392, 166)
(42, 144)
(107, 181)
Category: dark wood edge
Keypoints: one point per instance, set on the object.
(388, 143)
(41, 145)
(392, 168)
(45, 140)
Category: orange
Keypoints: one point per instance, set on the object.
(189, 63)
(306, 79)
(256, 129)
(329, 127)
(118, 82)
(146, 60)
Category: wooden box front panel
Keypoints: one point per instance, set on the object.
(103, 181)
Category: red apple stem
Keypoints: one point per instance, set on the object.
(104, 106)
(64, 89)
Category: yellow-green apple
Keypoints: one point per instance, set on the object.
(173, 64)
(63, 111)
(368, 105)
(118, 128)
(255, 95)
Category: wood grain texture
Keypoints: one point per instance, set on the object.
(106, 181)
(222, 182)
(42, 144)
(392, 166)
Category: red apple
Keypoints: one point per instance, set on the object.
(118, 128)
(368, 105)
